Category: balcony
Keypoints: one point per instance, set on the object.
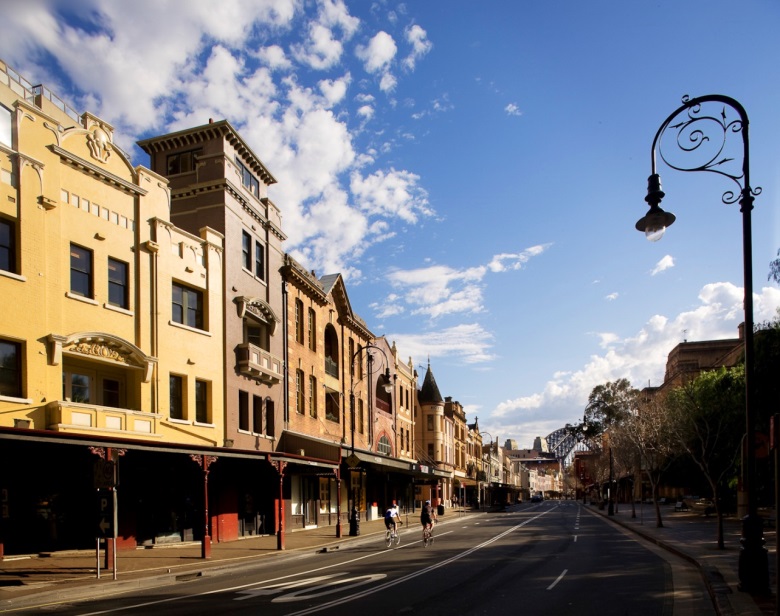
(66, 416)
(259, 364)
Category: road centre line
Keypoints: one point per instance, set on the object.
(559, 578)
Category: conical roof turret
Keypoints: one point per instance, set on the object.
(429, 393)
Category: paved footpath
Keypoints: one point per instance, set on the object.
(28, 581)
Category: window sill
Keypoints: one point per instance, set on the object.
(201, 424)
(81, 298)
(253, 275)
(183, 422)
(118, 309)
(15, 399)
(191, 329)
(13, 276)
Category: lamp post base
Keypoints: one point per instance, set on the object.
(753, 560)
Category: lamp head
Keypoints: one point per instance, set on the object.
(654, 223)
(387, 385)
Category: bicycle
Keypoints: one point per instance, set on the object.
(393, 536)
(428, 533)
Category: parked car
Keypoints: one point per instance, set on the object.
(699, 505)
(536, 498)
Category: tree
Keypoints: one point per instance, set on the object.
(774, 269)
(708, 422)
(609, 405)
(648, 432)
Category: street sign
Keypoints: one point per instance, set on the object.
(106, 521)
(104, 474)
(353, 460)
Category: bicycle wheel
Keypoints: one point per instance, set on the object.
(388, 538)
(397, 538)
(426, 537)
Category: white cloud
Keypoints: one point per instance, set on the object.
(274, 57)
(418, 38)
(664, 264)
(390, 193)
(378, 54)
(640, 358)
(514, 261)
(612, 296)
(469, 342)
(334, 90)
(513, 110)
(439, 290)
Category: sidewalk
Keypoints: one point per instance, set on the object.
(33, 580)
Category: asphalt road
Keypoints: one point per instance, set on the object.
(552, 558)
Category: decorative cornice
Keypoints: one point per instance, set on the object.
(105, 176)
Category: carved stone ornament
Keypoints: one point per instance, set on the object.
(99, 143)
(100, 350)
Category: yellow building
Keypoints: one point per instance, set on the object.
(111, 316)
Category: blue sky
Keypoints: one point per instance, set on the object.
(473, 169)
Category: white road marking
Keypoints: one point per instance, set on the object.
(560, 577)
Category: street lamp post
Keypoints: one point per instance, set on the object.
(693, 130)
(490, 469)
(387, 384)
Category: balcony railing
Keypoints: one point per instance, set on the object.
(66, 416)
(258, 363)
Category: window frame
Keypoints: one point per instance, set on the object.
(122, 285)
(176, 403)
(17, 381)
(202, 401)
(312, 396)
(6, 134)
(298, 321)
(312, 323)
(84, 275)
(243, 410)
(246, 250)
(260, 260)
(300, 392)
(186, 311)
(8, 246)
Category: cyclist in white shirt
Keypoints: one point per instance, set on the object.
(391, 515)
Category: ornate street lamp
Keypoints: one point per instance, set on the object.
(705, 134)
(387, 385)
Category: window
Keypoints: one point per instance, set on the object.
(312, 395)
(260, 260)
(361, 416)
(384, 446)
(312, 330)
(80, 271)
(299, 393)
(117, 283)
(243, 410)
(430, 422)
(177, 400)
(201, 401)
(299, 321)
(5, 126)
(332, 406)
(249, 181)
(257, 415)
(183, 162)
(77, 386)
(187, 306)
(7, 246)
(112, 392)
(246, 250)
(10, 369)
(88, 383)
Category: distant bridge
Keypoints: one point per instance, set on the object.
(563, 443)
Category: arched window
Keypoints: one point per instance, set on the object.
(331, 351)
(384, 446)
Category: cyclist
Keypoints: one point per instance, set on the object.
(427, 515)
(391, 515)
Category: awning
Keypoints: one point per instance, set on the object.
(378, 460)
(85, 440)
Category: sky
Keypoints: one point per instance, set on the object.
(474, 170)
